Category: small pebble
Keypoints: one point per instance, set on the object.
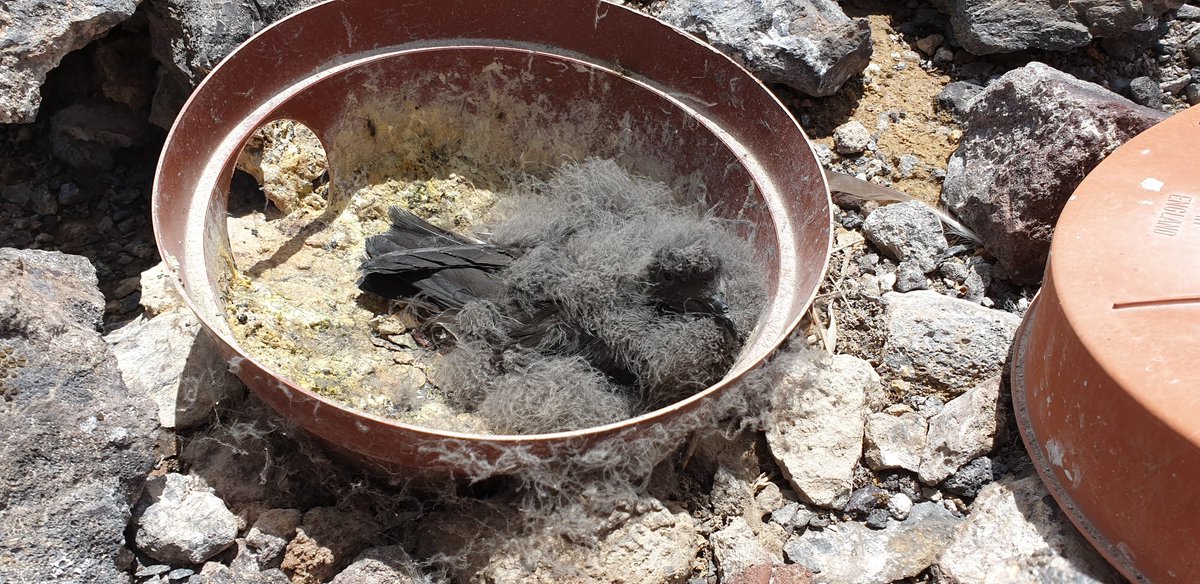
(970, 478)
(877, 518)
(865, 499)
(180, 574)
(899, 506)
(907, 165)
(851, 138)
(1146, 91)
(930, 44)
(851, 221)
(818, 522)
(126, 196)
(909, 277)
(1192, 93)
(953, 271)
(128, 225)
(69, 194)
(155, 570)
(1174, 86)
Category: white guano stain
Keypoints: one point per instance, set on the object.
(1054, 450)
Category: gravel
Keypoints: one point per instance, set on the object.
(835, 481)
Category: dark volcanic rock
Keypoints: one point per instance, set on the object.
(957, 96)
(1003, 26)
(85, 135)
(189, 37)
(1145, 91)
(34, 37)
(810, 45)
(76, 445)
(1112, 18)
(1028, 141)
(192, 36)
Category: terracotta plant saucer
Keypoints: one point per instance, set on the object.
(1106, 366)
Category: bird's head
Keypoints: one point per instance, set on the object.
(687, 279)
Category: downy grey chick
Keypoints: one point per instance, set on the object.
(609, 300)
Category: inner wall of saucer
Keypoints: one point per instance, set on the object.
(497, 113)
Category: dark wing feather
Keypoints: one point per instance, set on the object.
(449, 276)
(484, 257)
(417, 258)
(410, 232)
(454, 288)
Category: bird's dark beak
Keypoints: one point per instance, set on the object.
(716, 306)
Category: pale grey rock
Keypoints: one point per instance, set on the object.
(852, 552)
(908, 231)
(851, 138)
(180, 574)
(1176, 85)
(1114, 18)
(809, 45)
(185, 523)
(171, 360)
(1015, 523)
(646, 542)
(380, 565)
(1041, 568)
(900, 506)
(244, 558)
(35, 35)
(75, 444)
(738, 550)
(910, 276)
(1029, 139)
(769, 498)
(1188, 12)
(966, 428)
(221, 574)
(947, 343)
(895, 440)
(269, 536)
(816, 432)
(792, 516)
(730, 494)
(158, 293)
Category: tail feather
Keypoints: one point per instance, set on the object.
(862, 190)
(409, 231)
(415, 258)
(402, 261)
